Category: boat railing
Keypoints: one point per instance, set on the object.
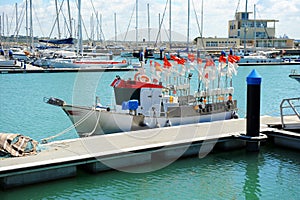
(289, 107)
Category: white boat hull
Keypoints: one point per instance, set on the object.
(90, 121)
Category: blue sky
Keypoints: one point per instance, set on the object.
(216, 15)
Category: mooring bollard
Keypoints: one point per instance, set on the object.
(253, 110)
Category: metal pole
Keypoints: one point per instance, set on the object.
(253, 109)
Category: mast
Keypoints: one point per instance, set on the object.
(26, 4)
(254, 27)
(202, 20)
(79, 32)
(136, 20)
(159, 25)
(115, 26)
(70, 18)
(148, 23)
(188, 28)
(170, 30)
(3, 17)
(57, 20)
(31, 26)
(0, 27)
(17, 24)
(245, 27)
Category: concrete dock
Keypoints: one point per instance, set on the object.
(136, 151)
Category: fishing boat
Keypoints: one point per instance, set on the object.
(161, 100)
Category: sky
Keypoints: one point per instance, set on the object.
(216, 14)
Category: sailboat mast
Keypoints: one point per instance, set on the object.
(26, 2)
(70, 18)
(57, 20)
(136, 21)
(17, 24)
(31, 26)
(115, 27)
(170, 30)
(245, 27)
(148, 12)
(202, 19)
(188, 28)
(79, 43)
(254, 28)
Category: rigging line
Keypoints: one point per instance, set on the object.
(65, 21)
(101, 31)
(56, 19)
(166, 31)
(20, 21)
(199, 29)
(161, 23)
(129, 22)
(11, 22)
(70, 127)
(37, 19)
(265, 29)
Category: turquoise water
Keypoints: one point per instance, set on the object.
(271, 174)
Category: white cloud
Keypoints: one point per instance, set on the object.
(216, 14)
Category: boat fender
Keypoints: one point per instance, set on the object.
(143, 124)
(234, 115)
(108, 109)
(168, 123)
(145, 78)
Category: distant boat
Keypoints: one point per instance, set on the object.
(59, 41)
(261, 58)
(295, 75)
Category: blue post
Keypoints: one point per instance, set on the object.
(253, 109)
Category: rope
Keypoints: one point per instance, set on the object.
(45, 140)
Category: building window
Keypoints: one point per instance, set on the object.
(260, 35)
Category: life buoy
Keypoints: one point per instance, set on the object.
(155, 80)
(136, 76)
(144, 78)
(124, 61)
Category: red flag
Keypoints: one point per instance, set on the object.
(206, 76)
(191, 57)
(157, 66)
(181, 61)
(199, 60)
(167, 64)
(233, 58)
(209, 62)
(175, 58)
(222, 58)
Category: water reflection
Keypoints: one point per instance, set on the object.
(251, 187)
